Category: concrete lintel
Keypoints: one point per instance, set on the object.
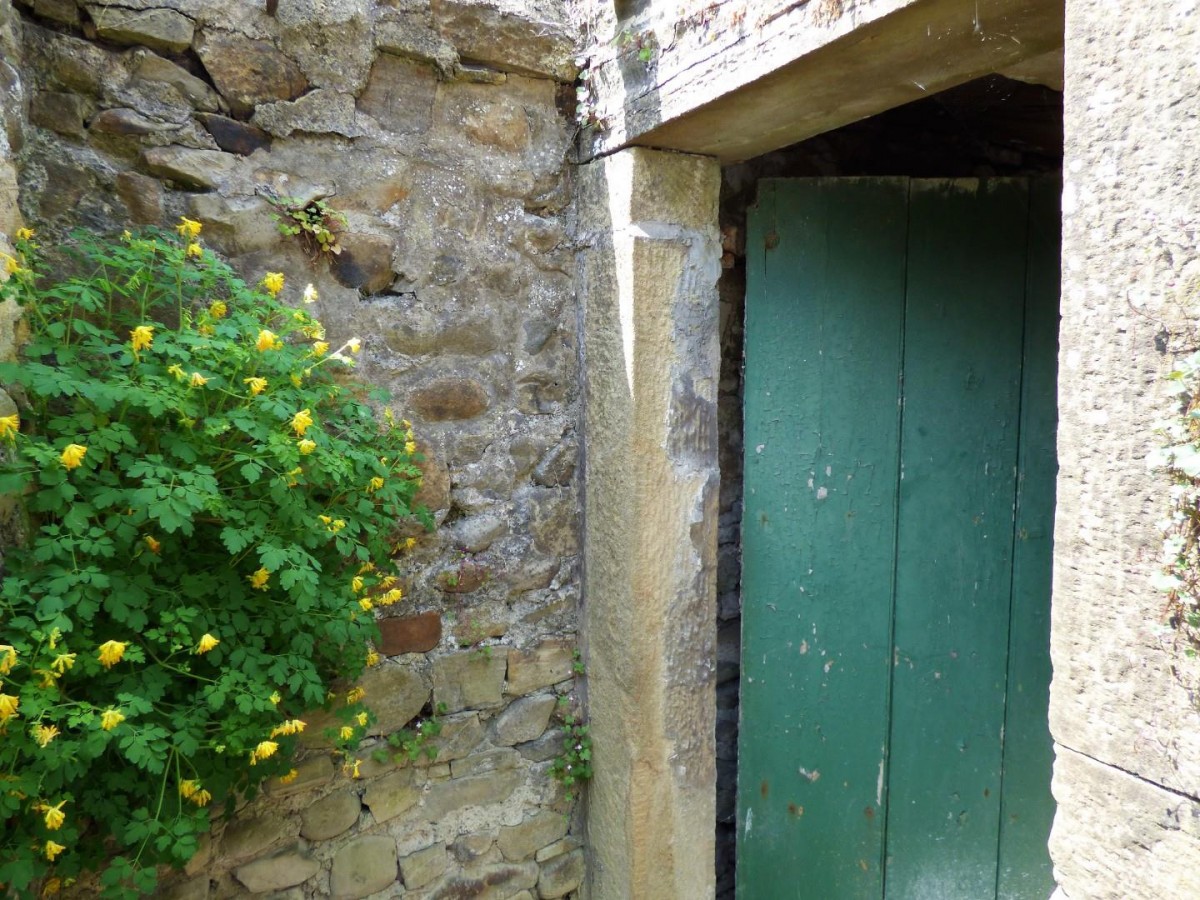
(647, 277)
(768, 82)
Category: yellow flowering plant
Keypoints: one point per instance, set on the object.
(206, 501)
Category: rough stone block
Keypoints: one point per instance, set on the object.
(524, 720)
(478, 533)
(499, 123)
(558, 848)
(469, 680)
(248, 72)
(399, 95)
(161, 29)
(69, 62)
(471, 847)
(193, 889)
(481, 790)
(249, 837)
(410, 634)
(58, 111)
(410, 34)
(395, 693)
(540, 830)
(362, 867)
(495, 881)
(365, 262)
(482, 763)
(233, 136)
(152, 71)
(393, 794)
(420, 868)
(323, 111)
(277, 872)
(126, 122)
(311, 773)
(449, 399)
(235, 225)
(461, 735)
(64, 11)
(561, 875)
(203, 170)
(544, 665)
(548, 746)
(434, 493)
(506, 35)
(330, 816)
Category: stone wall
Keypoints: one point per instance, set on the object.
(440, 129)
(1123, 701)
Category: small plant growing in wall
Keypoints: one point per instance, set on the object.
(316, 224)
(573, 766)
(208, 506)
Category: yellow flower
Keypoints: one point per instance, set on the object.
(206, 643)
(409, 543)
(267, 341)
(361, 719)
(188, 228)
(273, 283)
(410, 447)
(293, 475)
(320, 348)
(49, 678)
(198, 380)
(265, 750)
(306, 446)
(289, 777)
(72, 456)
(295, 379)
(152, 543)
(56, 633)
(44, 734)
(372, 658)
(111, 718)
(290, 726)
(374, 484)
(310, 294)
(52, 887)
(53, 815)
(217, 309)
(63, 662)
(275, 698)
(10, 426)
(256, 385)
(11, 266)
(392, 596)
(194, 251)
(301, 422)
(25, 234)
(8, 658)
(201, 798)
(177, 371)
(346, 733)
(356, 583)
(354, 770)
(354, 345)
(366, 605)
(110, 653)
(8, 706)
(187, 789)
(355, 695)
(142, 337)
(259, 579)
(52, 850)
(127, 235)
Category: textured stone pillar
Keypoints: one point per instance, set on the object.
(1122, 706)
(647, 281)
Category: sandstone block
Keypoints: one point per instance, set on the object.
(247, 72)
(151, 70)
(489, 882)
(561, 875)
(540, 830)
(312, 773)
(161, 29)
(557, 467)
(61, 112)
(420, 868)
(70, 62)
(502, 124)
(126, 122)
(330, 816)
(524, 720)
(434, 493)
(393, 794)
(450, 399)
(478, 533)
(505, 35)
(193, 889)
(362, 867)
(482, 763)
(469, 680)
(410, 34)
(471, 847)
(233, 136)
(203, 170)
(399, 95)
(395, 693)
(558, 848)
(544, 665)
(446, 797)
(548, 746)
(323, 111)
(235, 225)
(460, 736)
(64, 11)
(277, 872)
(365, 262)
(410, 634)
(249, 837)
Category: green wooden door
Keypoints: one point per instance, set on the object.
(901, 341)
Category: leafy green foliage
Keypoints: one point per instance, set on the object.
(209, 508)
(315, 223)
(574, 764)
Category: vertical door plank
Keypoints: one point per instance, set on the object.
(1027, 807)
(963, 333)
(823, 344)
